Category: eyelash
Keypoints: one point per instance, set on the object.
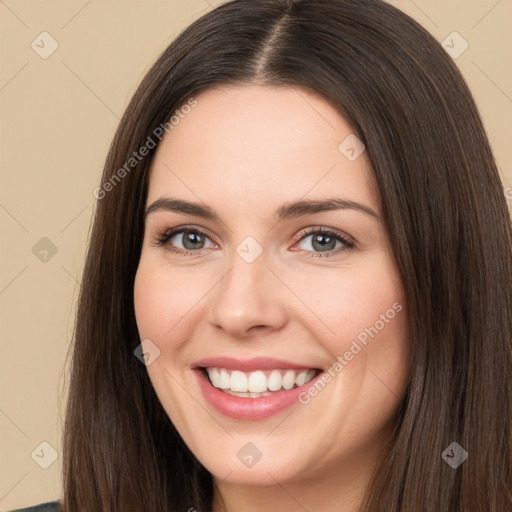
(164, 236)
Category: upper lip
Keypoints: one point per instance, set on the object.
(248, 365)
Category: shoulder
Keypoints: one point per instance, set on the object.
(51, 506)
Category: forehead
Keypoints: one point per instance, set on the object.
(258, 146)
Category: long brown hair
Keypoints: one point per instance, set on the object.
(450, 230)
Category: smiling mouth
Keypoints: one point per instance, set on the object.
(257, 383)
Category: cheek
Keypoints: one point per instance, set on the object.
(159, 306)
(150, 303)
(360, 317)
(169, 305)
(161, 298)
(346, 302)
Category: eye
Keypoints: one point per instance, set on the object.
(325, 240)
(192, 239)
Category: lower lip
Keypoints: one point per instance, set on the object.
(250, 408)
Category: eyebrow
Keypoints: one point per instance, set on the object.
(286, 211)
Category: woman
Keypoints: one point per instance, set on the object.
(341, 337)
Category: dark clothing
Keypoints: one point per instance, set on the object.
(51, 506)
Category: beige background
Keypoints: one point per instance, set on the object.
(58, 116)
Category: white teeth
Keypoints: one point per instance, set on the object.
(224, 379)
(247, 395)
(301, 378)
(275, 381)
(289, 379)
(238, 381)
(214, 374)
(257, 383)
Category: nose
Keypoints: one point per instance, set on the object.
(248, 300)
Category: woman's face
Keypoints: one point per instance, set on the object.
(263, 301)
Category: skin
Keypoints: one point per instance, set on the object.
(244, 151)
